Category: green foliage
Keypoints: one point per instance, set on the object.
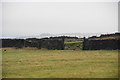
(36, 63)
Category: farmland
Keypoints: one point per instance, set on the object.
(42, 63)
(74, 45)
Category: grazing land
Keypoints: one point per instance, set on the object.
(74, 45)
(42, 63)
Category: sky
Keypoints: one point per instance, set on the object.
(34, 18)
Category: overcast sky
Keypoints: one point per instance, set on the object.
(34, 18)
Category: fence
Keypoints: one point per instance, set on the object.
(108, 44)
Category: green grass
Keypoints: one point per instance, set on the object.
(72, 42)
(76, 45)
(0, 63)
(35, 63)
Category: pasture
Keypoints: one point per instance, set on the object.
(42, 63)
(74, 45)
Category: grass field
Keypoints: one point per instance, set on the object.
(73, 42)
(75, 45)
(35, 63)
